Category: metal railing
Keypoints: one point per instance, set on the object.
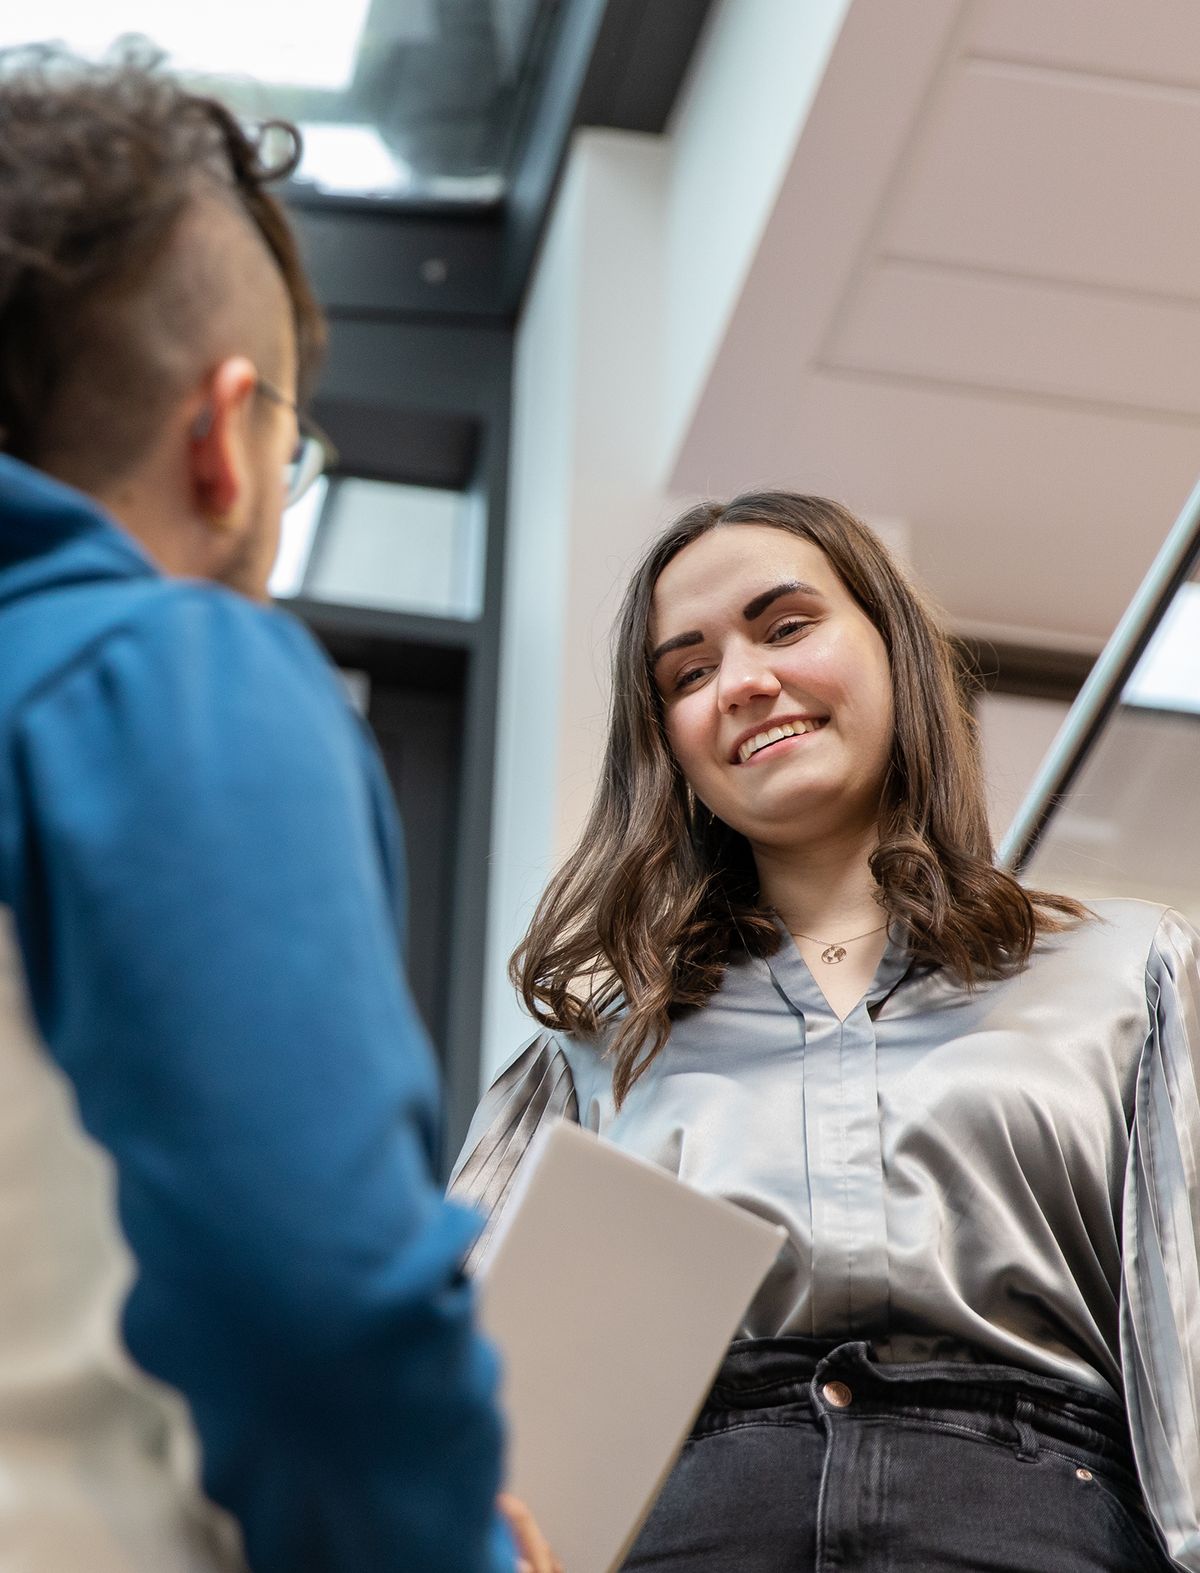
(1102, 691)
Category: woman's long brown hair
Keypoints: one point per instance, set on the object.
(640, 921)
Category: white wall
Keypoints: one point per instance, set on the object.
(733, 137)
(586, 400)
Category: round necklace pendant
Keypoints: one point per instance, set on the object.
(832, 954)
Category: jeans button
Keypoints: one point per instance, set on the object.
(837, 1394)
(1083, 1474)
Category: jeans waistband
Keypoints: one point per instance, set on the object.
(765, 1372)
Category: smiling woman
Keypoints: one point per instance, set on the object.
(782, 965)
(772, 607)
(800, 657)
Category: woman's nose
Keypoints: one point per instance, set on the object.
(745, 678)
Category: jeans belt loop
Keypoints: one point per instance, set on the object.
(1027, 1442)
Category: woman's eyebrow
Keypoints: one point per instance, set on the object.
(679, 642)
(759, 604)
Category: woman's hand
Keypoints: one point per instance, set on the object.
(533, 1554)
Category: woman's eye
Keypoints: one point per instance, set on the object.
(791, 625)
(686, 679)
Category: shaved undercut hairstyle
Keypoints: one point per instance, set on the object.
(137, 239)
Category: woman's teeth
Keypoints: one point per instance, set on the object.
(773, 734)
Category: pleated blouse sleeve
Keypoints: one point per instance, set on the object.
(1160, 1301)
(533, 1087)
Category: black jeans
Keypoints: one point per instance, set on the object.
(809, 1458)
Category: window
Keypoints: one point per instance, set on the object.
(413, 549)
(400, 100)
(1129, 823)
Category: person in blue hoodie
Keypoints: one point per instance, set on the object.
(233, 1324)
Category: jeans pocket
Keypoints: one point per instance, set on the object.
(1119, 1497)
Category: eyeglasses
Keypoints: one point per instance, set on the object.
(313, 453)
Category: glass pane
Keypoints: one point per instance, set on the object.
(1130, 822)
(399, 548)
(1014, 733)
(296, 539)
(399, 99)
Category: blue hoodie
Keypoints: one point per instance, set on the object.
(198, 845)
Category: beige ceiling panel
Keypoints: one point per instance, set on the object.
(994, 331)
(1066, 177)
(1156, 40)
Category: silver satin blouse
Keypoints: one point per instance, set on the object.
(1010, 1175)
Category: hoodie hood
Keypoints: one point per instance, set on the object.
(52, 535)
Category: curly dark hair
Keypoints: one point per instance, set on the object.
(99, 164)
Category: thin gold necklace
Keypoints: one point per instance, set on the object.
(835, 949)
